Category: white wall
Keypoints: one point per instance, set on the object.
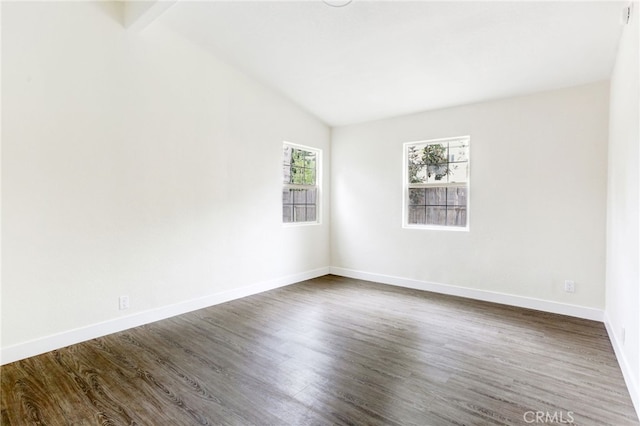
(623, 237)
(136, 164)
(537, 207)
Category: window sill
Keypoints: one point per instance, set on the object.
(299, 224)
(437, 228)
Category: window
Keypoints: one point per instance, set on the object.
(301, 191)
(436, 176)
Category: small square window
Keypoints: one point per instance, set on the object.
(436, 181)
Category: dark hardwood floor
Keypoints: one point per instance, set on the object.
(330, 351)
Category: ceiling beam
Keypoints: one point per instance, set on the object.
(139, 14)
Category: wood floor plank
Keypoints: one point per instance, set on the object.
(329, 351)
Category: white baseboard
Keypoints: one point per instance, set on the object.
(82, 334)
(470, 293)
(630, 380)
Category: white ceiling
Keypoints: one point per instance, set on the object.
(377, 59)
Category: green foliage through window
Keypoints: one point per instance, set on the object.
(437, 162)
(299, 166)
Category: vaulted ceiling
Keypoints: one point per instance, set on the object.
(377, 59)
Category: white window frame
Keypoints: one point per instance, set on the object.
(407, 185)
(317, 186)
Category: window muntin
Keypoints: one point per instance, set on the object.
(437, 183)
(300, 190)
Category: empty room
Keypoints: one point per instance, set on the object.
(320, 212)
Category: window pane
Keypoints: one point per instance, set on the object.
(309, 176)
(297, 158)
(311, 196)
(416, 196)
(416, 171)
(436, 216)
(458, 151)
(287, 214)
(457, 196)
(301, 176)
(435, 153)
(457, 216)
(287, 151)
(311, 213)
(436, 196)
(299, 213)
(286, 196)
(286, 173)
(297, 175)
(418, 174)
(300, 196)
(437, 173)
(310, 160)
(417, 215)
(415, 154)
(458, 172)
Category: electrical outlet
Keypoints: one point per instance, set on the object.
(623, 335)
(569, 286)
(124, 302)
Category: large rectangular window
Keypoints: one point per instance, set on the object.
(301, 190)
(436, 176)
